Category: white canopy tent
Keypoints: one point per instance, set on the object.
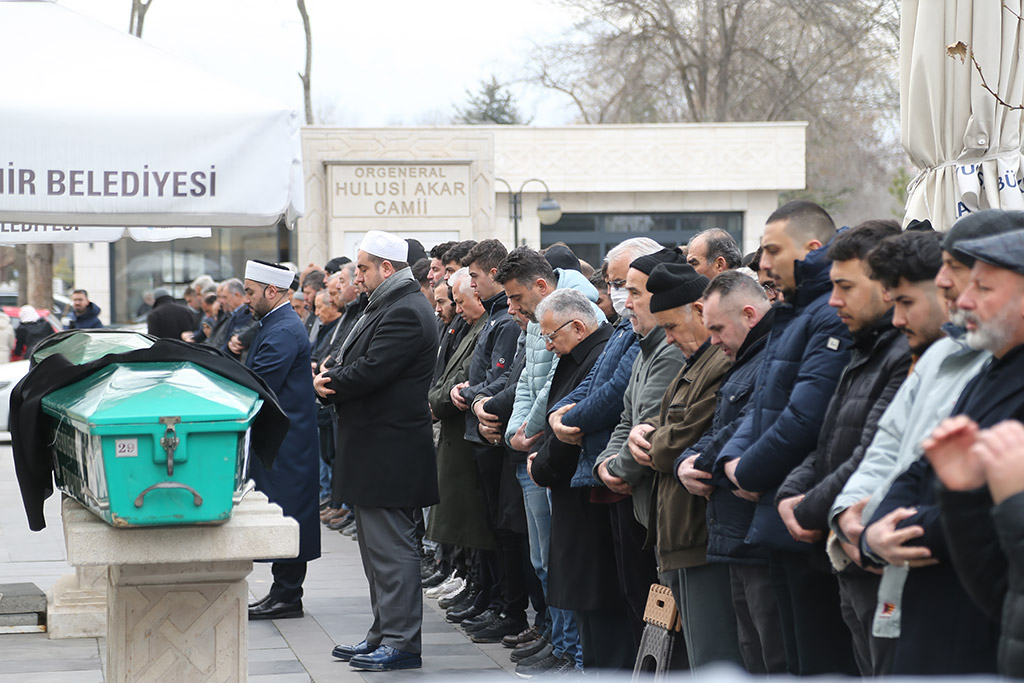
(97, 128)
(967, 144)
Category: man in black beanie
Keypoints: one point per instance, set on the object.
(702, 591)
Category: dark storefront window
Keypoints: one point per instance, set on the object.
(591, 235)
(140, 267)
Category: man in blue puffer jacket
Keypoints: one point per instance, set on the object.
(807, 349)
(587, 417)
(739, 317)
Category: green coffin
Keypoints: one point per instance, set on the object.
(84, 346)
(144, 444)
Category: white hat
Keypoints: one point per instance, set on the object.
(385, 245)
(269, 274)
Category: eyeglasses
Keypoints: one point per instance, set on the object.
(769, 287)
(548, 337)
(616, 284)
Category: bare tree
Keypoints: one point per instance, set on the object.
(832, 63)
(21, 267)
(304, 77)
(39, 259)
(139, 9)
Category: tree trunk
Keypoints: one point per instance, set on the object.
(21, 267)
(304, 77)
(139, 8)
(40, 275)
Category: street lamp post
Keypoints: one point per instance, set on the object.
(548, 211)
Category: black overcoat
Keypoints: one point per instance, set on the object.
(581, 560)
(385, 454)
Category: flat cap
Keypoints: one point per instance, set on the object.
(673, 285)
(975, 226)
(646, 264)
(1005, 250)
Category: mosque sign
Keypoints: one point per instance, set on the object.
(399, 190)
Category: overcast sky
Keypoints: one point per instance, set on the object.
(385, 62)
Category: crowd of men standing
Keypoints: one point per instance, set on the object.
(812, 451)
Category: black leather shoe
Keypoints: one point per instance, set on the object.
(434, 579)
(527, 636)
(527, 650)
(386, 658)
(276, 610)
(476, 623)
(347, 652)
(467, 601)
(458, 614)
(259, 602)
(498, 629)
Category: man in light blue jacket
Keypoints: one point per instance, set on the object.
(528, 278)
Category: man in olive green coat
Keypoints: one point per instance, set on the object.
(461, 516)
(679, 519)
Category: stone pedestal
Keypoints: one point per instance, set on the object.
(76, 606)
(176, 606)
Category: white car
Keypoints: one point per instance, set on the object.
(10, 375)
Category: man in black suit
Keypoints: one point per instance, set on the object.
(385, 464)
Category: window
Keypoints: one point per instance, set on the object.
(591, 235)
(141, 267)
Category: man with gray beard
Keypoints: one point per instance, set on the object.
(940, 628)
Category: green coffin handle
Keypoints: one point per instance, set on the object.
(197, 499)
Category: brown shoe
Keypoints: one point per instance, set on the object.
(329, 513)
(338, 518)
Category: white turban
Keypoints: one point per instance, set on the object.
(269, 274)
(385, 245)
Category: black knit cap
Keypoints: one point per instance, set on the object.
(981, 224)
(335, 264)
(560, 256)
(675, 284)
(646, 264)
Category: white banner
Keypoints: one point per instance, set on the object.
(101, 128)
(23, 233)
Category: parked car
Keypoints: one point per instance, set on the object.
(10, 374)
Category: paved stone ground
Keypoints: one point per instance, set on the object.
(286, 651)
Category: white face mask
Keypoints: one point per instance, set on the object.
(618, 297)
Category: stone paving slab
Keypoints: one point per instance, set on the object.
(287, 651)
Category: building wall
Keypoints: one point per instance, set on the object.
(592, 169)
(589, 169)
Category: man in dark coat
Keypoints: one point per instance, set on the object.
(168, 319)
(280, 356)
(807, 350)
(385, 464)
(738, 315)
(581, 563)
(235, 315)
(494, 351)
(878, 366)
(992, 309)
(84, 314)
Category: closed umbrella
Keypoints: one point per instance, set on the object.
(966, 144)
